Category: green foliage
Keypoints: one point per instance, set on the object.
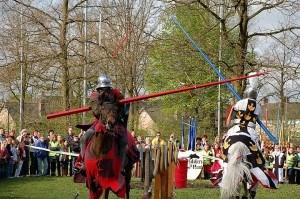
(174, 63)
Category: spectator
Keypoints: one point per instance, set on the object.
(278, 164)
(198, 144)
(48, 140)
(147, 143)
(42, 156)
(54, 157)
(157, 141)
(22, 135)
(75, 148)
(217, 151)
(2, 136)
(64, 159)
(25, 166)
(69, 136)
(33, 159)
(133, 134)
(12, 134)
(11, 148)
(203, 141)
(298, 165)
(172, 138)
(291, 161)
(4, 158)
(207, 160)
(21, 157)
(268, 159)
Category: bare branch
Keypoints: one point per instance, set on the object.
(271, 33)
(266, 6)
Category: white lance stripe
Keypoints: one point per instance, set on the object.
(58, 152)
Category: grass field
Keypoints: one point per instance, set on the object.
(64, 188)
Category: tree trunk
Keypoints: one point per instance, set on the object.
(241, 49)
(64, 58)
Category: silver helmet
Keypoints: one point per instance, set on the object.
(250, 93)
(103, 82)
(251, 87)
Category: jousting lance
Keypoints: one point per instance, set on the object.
(153, 95)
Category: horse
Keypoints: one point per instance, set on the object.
(109, 153)
(244, 166)
(236, 172)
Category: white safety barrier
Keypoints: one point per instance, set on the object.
(58, 152)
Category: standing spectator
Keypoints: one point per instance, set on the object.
(21, 157)
(22, 135)
(42, 156)
(64, 159)
(4, 158)
(198, 144)
(11, 148)
(207, 160)
(12, 134)
(147, 143)
(48, 140)
(69, 139)
(25, 166)
(75, 148)
(217, 151)
(157, 141)
(2, 136)
(54, 146)
(298, 165)
(33, 159)
(133, 134)
(291, 161)
(203, 141)
(172, 138)
(268, 159)
(70, 135)
(278, 164)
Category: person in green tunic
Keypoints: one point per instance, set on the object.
(291, 161)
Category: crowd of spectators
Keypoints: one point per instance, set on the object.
(18, 159)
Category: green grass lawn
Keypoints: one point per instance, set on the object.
(64, 188)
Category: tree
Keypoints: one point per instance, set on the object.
(238, 17)
(282, 82)
(173, 63)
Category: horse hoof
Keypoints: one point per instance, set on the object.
(252, 194)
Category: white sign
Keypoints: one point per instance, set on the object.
(195, 163)
(195, 166)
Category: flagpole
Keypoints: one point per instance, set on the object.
(220, 59)
(85, 61)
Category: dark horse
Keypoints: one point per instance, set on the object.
(109, 154)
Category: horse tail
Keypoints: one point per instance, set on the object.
(236, 170)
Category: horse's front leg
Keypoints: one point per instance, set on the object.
(104, 194)
(245, 195)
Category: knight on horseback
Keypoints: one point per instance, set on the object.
(244, 162)
(106, 146)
